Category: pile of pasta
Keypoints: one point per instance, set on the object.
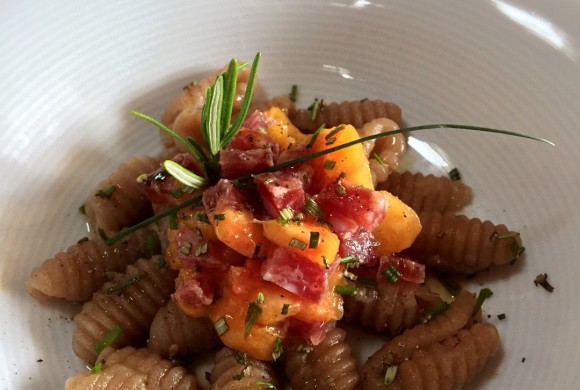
(128, 286)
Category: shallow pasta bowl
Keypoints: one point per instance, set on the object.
(71, 72)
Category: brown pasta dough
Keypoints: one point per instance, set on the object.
(78, 272)
(389, 308)
(120, 201)
(356, 113)
(428, 193)
(456, 244)
(130, 302)
(134, 369)
(328, 365)
(175, 334)
(237, 372)
(183, 115)
(403, 346)
(450, 364)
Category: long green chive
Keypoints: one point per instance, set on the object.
(107, 192)
(391, 274)
(221, 326)
(293, 93)
(314, 238)
(390, 374)
(296, 243)
(254, 311)
(345, 290)
(314, 136)
(196, 201)
(109, 338)
(103, 234)
(484, 293)
(176, 193)
(126, 283)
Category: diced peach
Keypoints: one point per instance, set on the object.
(283, 131)
(399, 228)
(295, 236)
(350, 160)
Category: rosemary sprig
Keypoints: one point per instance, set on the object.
(184, 175)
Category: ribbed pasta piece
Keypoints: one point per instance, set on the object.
(175, 334)
(356, 113)
(283, 102)
(129, 302)
(120, 201)
(183, 114)
(78, 272)
(403, 346)
(389, 308)
(237, 372)
(328, 365)
(450, 364)
(456, 244)
(428, 193)
(134, 369)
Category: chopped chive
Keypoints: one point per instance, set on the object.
(542, 280)
(330, 137)
(286, 214)
(345, 290)
(315, 136)
(109, 338)
(107, 192)
(312, 208)
(245, 371)
(390, 374)
(329, 164)
(201, 217)
(161, 263)
(378, 159)
(314, 238)
(241, 358)
(221, 326)
(268, 385)
(97, 367)
(349, 260)
(501, 316)
(454, 174)
(185, 248)
(296, 243)
(391, 274)
(325, 262)
(339, 189)
(201, 250)
(257, 250)
(126, 283)
(277, 351)
(254, 311)
(82, 209)
(173, 221)
(285, 308)
(313, 108)
(102, 234)
(219, 217)
(293, 93)
(152, 244)
(484, 293)
(260, 298)
(176, 193)
(434, 311)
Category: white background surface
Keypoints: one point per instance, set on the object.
(71, 71)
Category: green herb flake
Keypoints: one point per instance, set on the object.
(219, 217)
(314, 107)
(260, 298)
(330, 137)
(484, 293)
(390, 374)
(315, 136)
(109, 339)
(542, 280)
(435, 311)
(454, 174)
(221, 326)
(391, 274)
(378, 159)
(107, 192)
(296, 243)
(314, 239)
(97, 368)
(312, 208)
(345, 290)
(245, 372)
(161, 263)
(176, 193)
(241, 358)
(277, 351)
(102, 234)
(126, 283)
(266, 384)
(329, 164)
(254, 311)
(340, 189)
(285, 308)
(201, 250)
(349, 260)
(152, 245)
(201, 217)
(185, 248)
(325, 262)
(285, 216)
(293, 93)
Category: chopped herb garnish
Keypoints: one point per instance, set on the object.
(245, 371)
(285, 216)
(277, 351)
(221, 326)
(330, 137)
(325, 262)
(434, 311)
(542, 280)
(296, 243)
(390, 374)
(201, 217)
(260, 298)
(312, 208)
(339, 189)
(349, 260)
(254, 311)
(176, 193)
(345, 290)
(266, 384)
(454, 174)
(315, 136)
(201, 250)
(97, 367)
(285, 308)
(313, 108)
(484, 293)
(349, 275)
(185, 248)
(161, 263)
(501, 316)
(152, 244)
(257, 250)
(314, 238)
(378, 159)
(173, 221)
(82, 209)
(391, 274)
(126, 283)
(107, 192)
(329, 164)
(293, 93)
(109, 338)
(102, 234)
(219, 217)
(241, 358)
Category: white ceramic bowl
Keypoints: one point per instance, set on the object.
(71, 71)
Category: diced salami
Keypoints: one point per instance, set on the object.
(361, 244)
(281, 189)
